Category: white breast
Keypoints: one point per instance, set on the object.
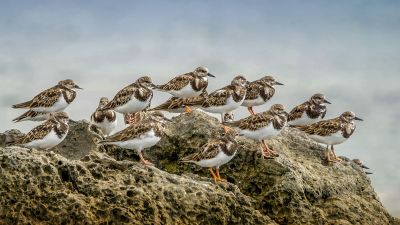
(134, 105)
(106, 126)
(228, 107)
(217, 161)
(255, 102)
(58, 106)
(185, 92)
(145, 140)
(333, 139)
(304, 120)
(49, 141)
(261, 134)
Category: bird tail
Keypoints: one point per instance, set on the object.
(22, 105)
(24, 116)
(187, 159)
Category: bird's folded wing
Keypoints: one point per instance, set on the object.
(176, 83)
(36, 133)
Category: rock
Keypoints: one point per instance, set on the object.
(81, 182)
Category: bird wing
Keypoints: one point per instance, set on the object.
(253, 91)
(297, 111)
(38, 132)
(45, 98)
(208, 151)
(218, 97)
(121, 98)
(253, 122)
(131, 132)
(176, 83)
(322, 128)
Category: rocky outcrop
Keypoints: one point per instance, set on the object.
(82, 182)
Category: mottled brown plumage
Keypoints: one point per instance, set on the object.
(177, 105)
(100, 115)
(197, 80)
(259, 92)
(47, 98)
(139, 90)
(32, 116)
(313, 109)
(58, 122)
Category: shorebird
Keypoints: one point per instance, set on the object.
(309, 112)
(106, 120)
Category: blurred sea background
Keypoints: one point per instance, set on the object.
(348, 50)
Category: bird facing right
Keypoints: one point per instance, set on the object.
(261, 126)
(332, 132)
(309, 112)
(215, 153)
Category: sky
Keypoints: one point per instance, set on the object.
(348, 50)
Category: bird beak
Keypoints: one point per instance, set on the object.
(153, 86)
(278, 83)
(77, 87)
(365, 167)
(327, 102)
(368, 173)
(357, 118)
(210, 75)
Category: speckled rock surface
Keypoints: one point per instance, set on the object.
(81, 182)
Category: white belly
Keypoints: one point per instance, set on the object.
(304, 120)
(228, 107)
(49, 141)
(146, 140)
(185, 92)
(134, 105)
(261, 134)
(106, 126)
(334, 139)
(218, 161)
(58, 106)
(254, 102)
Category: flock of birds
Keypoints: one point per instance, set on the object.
(146, 125)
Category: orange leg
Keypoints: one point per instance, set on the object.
(328, 157)
(214, 176)
(335, 158)
(187, 109)
(218, 176)
(265, 151)
(227, 129)
(129, 118)
(251, 110)
(144, 161)
(274, 153)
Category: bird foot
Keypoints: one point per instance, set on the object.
(187, 109)
(146, 162)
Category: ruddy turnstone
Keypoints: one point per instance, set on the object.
(361, 164)
(180, 105)
(332, 132)
(187, 85)
(215, 153)
(226, 99)
(259, 92)
(309, 112)
(261, 126)
(48, 134)
(138, 136)
(132, 98)
(54, 99)
(106, 120)
(31, 115)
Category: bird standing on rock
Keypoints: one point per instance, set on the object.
(309, 112)
(106, 120)
(140, 135)
(259, 92)
(226, 99)
(215, 153)
(48, 134)
(261, 126)
(54, 99)
(332, 132)
(132, 98)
